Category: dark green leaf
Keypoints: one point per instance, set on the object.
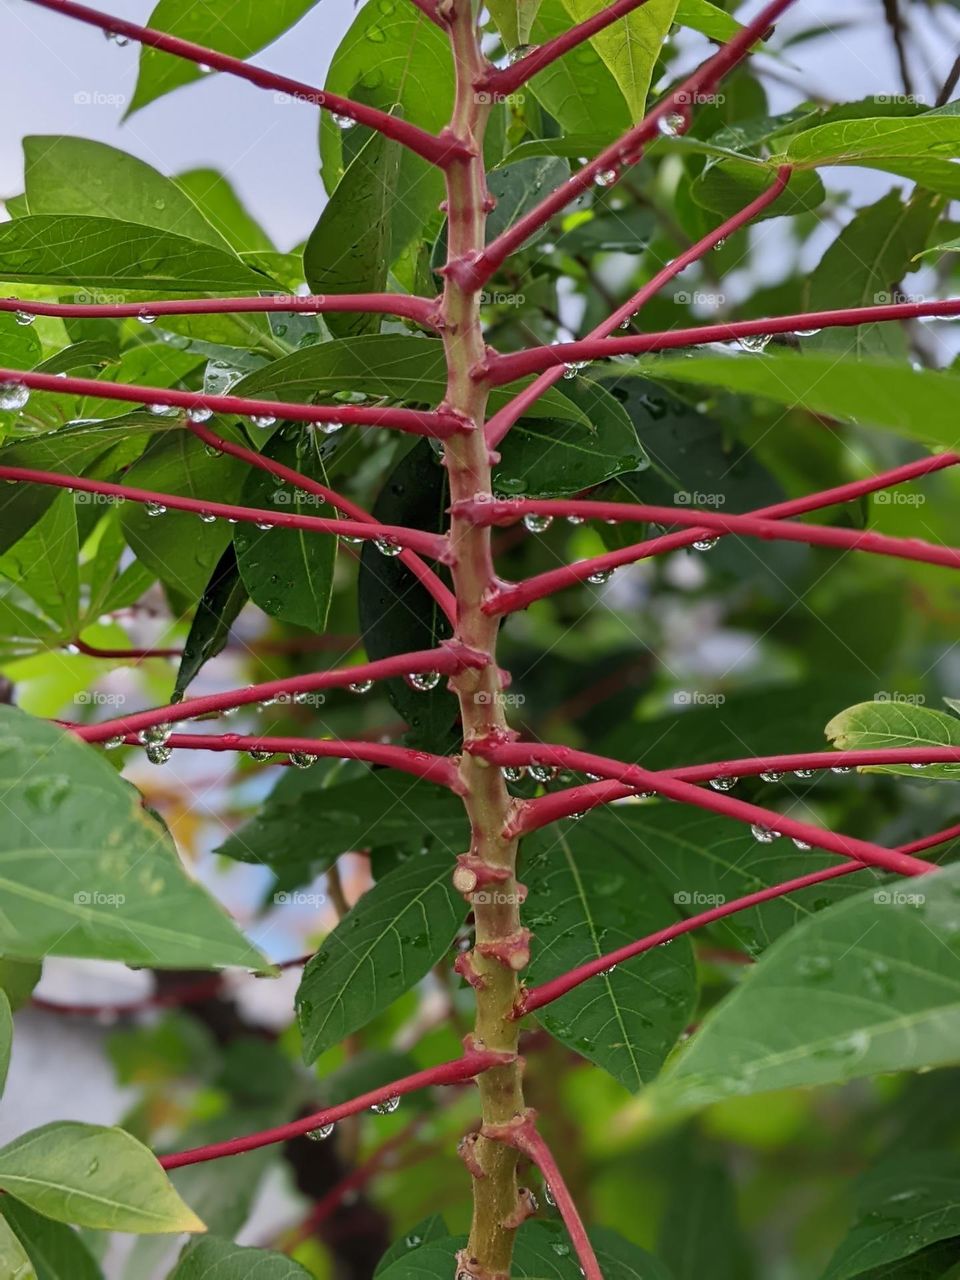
(897, 724)
(56, 1252)
(390, 940)
(219, 607)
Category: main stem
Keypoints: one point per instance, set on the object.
(487, 874)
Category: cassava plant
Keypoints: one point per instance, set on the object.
(540, 848)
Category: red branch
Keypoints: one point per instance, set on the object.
(522, 1134)
(508, 597)
(537, 997)
(132, 655)
(419, 422)
(437, 590)
(432, 544)
(663, 783)
(437, 150)
(501, 422)
(448, 659)
(506, 79)
(503, 511)
(474, 272)
(543, 810)
(506, 368)
(473, 1063)
(421, 764)
(404, 305)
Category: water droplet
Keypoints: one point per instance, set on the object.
(571, 370)
(154, 508)
(548, 1195)
(387, 1107)
(771, 775)
(111, 744)
(672, 124)
(560, 1248)
(328, 428)
(13, 395)
(199, 413)
(116, 38)
(605, 177)
(204, 69)
(575, 520)
(321, 1133)
(155, 735)
(521, 51)
(157, 753)
(763, 834)
(841, 768)
(423, 681)
(537, 523)
(542, 772)
(599, 577)
(705, 544)
(301, 759)
(212, 451)
(360, 686)
(146, 317)
(806, 333)
(160, 410)
(264, 525)
(802, 845)
(255, 753)
(208, 517)
(917, 766)
(263, 420)
(755, 343)
(725, 782)
(387, 546)
(512, 772)
(24, 317)
(804, 773)
(342, 122)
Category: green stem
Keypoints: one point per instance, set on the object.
(488, 876)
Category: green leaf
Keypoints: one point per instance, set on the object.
(80, 177)
(513, 19)
(552, 459)
(425, 1232)
(17, 980)
(399, 62)
(288, 572)
(397, 615)
(897, 724)
(6, 1037)
(20, 348)
(211, 192)
(579, 91)
(390, 940)
(699, 1231)
(707, 18)
(55, 1251)
(181, 550)
(587, 897)
(86, 871)
(397, 366)
(230, 26)
(874, 250)
(213, 1259)
(867, 986)
(903, 1205)
(703, 860)
(920, 405)
(349, 250)
(726, 186)
(630, 47)
(14, 1261)
(518, 187)
(94, 252)
(93, 1177)
(219, 607)
(44, 563)
(310, 818)
(860, 141)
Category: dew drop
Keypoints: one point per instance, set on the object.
(806, 333)
(705, 544)
(154, 508)
(301, 759)
(387, 1107)
(263, 420)
(841, 768)
(802, 845)
(155, 735)
(387, 546)
(157, 753)
(605, 177)
(111, 744)
(360, 686)
(755, 343)
(342, 122)
(423, 681)
(599, 577)
(208, 517)
(672, 124)
(24, 317)
(542, 772)
(321, 1133)
(763, 834)
(537, 523)
(116, 38)
(771, 775)
(804, 773)
(575, 520)
(13, 395)
(146, 317)
(512, 772)
(256, 754)
(159, 410)
(328, 428)
(199, 413)
(726, 782)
